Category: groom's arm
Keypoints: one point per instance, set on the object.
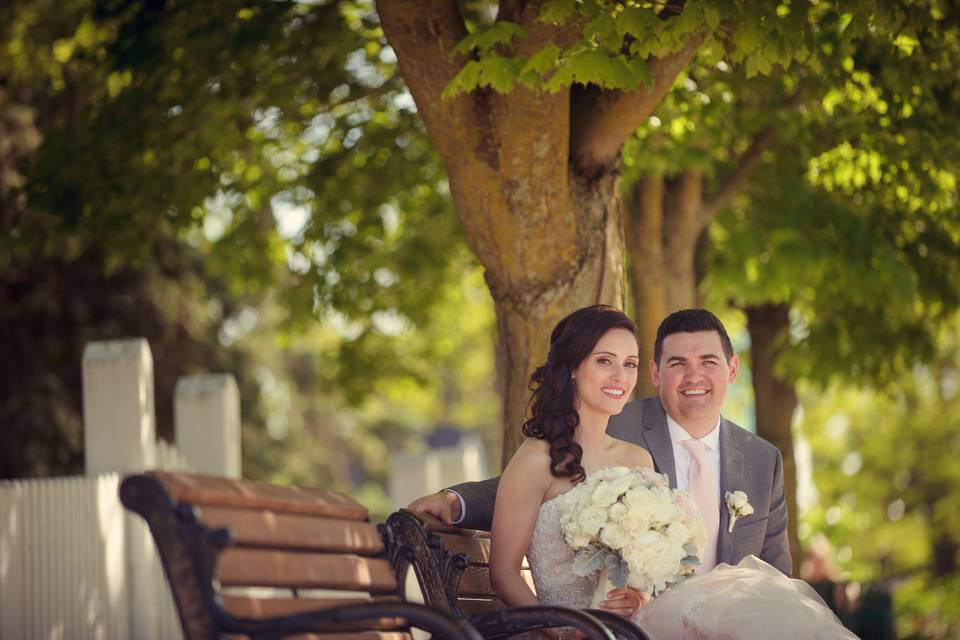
(468, 505)
(478, 501)
(776, 547)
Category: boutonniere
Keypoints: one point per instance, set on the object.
(737, 506)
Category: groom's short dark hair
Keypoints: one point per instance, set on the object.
(691, 321)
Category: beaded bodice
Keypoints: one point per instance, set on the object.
(550, 560)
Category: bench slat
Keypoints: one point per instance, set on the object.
(202, 491)
(259, 528)
(475, 583)
(294, 570)
(477, 548)
(260, 608)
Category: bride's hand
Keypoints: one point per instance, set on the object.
(625, 602)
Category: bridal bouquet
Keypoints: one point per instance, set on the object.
(629, 525)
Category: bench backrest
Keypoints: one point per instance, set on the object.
(246, 550)
(461, 560)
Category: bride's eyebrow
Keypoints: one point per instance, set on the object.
(611, 353)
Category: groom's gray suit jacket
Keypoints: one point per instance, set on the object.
(748, 463)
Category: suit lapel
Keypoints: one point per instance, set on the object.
(656, 438)
(731, 478)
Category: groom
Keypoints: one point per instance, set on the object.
(693, 363)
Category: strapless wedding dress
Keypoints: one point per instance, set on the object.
(749, 601)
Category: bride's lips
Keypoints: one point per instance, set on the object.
(613, 392)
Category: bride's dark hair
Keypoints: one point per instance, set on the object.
(552, 407)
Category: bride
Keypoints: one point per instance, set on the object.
(590, 372)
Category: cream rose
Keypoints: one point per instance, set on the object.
(604, 495)
(617, 512)
(738, 500)
(591, 519)
(614, 536)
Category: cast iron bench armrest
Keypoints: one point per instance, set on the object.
(507, 622)
(417, 615)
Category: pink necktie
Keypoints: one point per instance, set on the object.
(702, 485)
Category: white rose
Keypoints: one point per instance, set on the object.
(636, 522)
(604, 495)
(665, 510)
(580, 541)
(591, 519)
(664, 562)
(617, 511)
(746, 509)
(614, 536)
(738, 500)
(648, 539)
(642, 499)
(678, 533)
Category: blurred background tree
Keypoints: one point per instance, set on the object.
(217, 182)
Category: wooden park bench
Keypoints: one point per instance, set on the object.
(453, 568)
(245, 558)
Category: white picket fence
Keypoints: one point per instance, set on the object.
(67, 569)
(73, 562)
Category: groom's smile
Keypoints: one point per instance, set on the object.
(692, 376)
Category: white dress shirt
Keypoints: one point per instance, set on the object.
(682, 458)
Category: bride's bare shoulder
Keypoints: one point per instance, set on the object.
(530, 465)
(633, 455)
(532, 451)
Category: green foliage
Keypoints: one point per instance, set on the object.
(617, 39)
(487, 40)
(928, 608)
(887, 487)
(274, 148)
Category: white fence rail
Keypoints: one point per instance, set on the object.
(73, 562)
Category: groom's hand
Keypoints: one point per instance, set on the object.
(625, 602)
(444, 505)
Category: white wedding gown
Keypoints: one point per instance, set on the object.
(749, 601)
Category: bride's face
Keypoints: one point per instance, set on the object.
(606, 378)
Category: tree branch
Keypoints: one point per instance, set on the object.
(602, 119)
(423, 34)
(747, 165)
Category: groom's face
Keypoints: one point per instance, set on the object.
(692, 376)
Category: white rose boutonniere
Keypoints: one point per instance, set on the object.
(738, 505)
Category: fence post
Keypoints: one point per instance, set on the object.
(119, 433)
(206, 416)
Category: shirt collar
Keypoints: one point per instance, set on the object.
(679, 434)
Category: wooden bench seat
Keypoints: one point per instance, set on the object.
(250, 559)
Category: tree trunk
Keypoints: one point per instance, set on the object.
(663, 224)
(682, 225)
(533, 175)
(776, 400)
(525, 318)
(643, 222)
(945, 552)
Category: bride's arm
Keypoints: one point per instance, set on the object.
(522, 488)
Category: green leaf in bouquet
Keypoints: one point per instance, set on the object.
(690, 549)
(589, 560)
(691, 560)
(618, 571)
